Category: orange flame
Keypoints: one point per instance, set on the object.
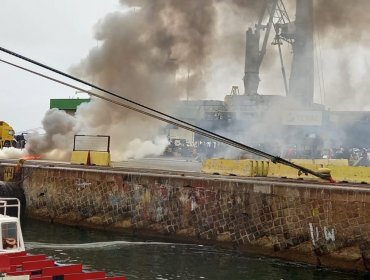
(31, 157)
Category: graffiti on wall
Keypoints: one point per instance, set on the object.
(328, 235)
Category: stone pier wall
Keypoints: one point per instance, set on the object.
(322, 224)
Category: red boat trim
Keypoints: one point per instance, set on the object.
(39, 267)
(86, 275)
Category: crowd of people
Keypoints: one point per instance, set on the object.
(355, 156)
(207, 149)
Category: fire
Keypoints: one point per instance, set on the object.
(31, 157)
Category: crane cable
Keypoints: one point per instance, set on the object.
(158, 115)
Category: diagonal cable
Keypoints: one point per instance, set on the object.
(157, 114)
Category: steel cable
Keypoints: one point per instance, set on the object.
(156, 114)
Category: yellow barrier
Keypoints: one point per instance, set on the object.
(322, 161)
(253, 168)
(249, 168)
(355, 174)
(99, 158)
(90, 158)
(80, 157)
(281, 170)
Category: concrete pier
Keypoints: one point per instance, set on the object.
(318, 223)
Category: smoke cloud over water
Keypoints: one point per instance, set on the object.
(158, 51)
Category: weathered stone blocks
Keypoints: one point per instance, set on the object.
(309, 222)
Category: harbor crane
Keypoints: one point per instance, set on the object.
(298, 34)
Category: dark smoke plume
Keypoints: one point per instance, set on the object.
(348, 19)
(182, 29)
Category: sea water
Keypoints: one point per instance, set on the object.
(138, 258)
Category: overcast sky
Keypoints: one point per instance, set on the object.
(54, 32)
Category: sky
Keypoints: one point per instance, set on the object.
(57, 33)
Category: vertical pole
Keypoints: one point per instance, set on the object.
(302, 74)
(74, 143)
(283, 69)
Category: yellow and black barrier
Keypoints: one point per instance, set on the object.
(249, 168)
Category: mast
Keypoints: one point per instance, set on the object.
(253, 54)
(301, 82)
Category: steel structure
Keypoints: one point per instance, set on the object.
(298, 34)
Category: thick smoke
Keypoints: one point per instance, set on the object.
(55, 143)
(137, 58)
(158, 51)
(139, 54)
(346, 20)
(183, 30)
(57, 140)
(342, 34)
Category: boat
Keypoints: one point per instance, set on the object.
(17, 264)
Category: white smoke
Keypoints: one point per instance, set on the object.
(12, 153)
(97, 117)
(137, 148)
(56, 143)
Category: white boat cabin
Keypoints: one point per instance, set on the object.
(11, 232)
